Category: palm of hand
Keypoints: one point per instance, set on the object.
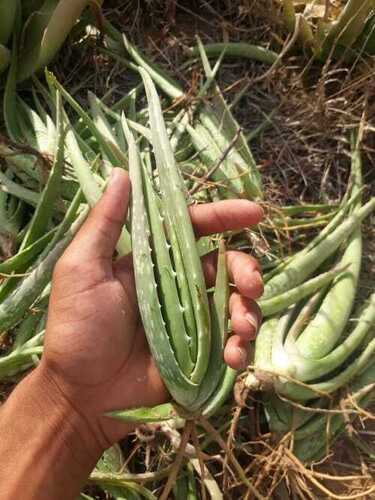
(95, 345)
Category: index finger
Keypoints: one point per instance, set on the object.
(226, 215)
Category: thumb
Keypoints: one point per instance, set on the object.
(99, 235)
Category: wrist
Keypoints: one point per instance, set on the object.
(63, 408)
(88, 403)
(42, 432)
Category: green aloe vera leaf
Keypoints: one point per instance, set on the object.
(184, 292)
(304, 264)
(89, 185)
(216, 116)
(158, 413)
(238, 49)
(89, 122)
(147, 288)
(321, 336)
(10, 105)
(297, 392)
(8, 11)
(280, 302)
(172, 309)
(309, 445)
(69, 218)
(167, 84)
(219, 378)
(46, 204)
(112, 461)
(28, 329)
(46, 31)
(226, 175)
(17, 362)
(5, 58)
(15, 305)
(174, 204)
(108, 479)
(11, 187)
(27, 255)
(106, 132)
(349, 25)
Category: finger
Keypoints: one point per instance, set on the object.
(99, 235)
(245, 316)
(243, 270)
(225, 215)
(236, 353)
(123, 271)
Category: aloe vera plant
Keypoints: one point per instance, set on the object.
(214, 130)
(186, 335)
(303, 355)
(39, 29)
(347, 36)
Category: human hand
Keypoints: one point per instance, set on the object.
(95, 348)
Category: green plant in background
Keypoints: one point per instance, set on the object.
(346, 32)
(312, 350)
(40, 28)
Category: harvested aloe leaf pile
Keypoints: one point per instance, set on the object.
(317, 338)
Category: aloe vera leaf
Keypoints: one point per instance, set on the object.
(47, 31)
(15, 305)
(20, 162)
(46, 205)
(216, 116)
(16, 362)
(8, 12)
(304, 264)
(27, 255)
(106, 132)
(158, 413)
(10, 107)
(184, 292)
(69, 218)
(11, 187)
(5, 58)
(28, 329)
(299, 393)
(89, 184)
(112, 461)
(44, 133)
(320, 336)
(167, 84)
(349, 25)
(178, 384)
(219, 378)
(32, 35)
(108, 479)
(172, 309)
(227, 177)
(280, 302)
(174, 203)
(107, 149)
(238, 49)
(289, 14)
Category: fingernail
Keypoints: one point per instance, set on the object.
(243, 355)
(253, 321)
(113, 177)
